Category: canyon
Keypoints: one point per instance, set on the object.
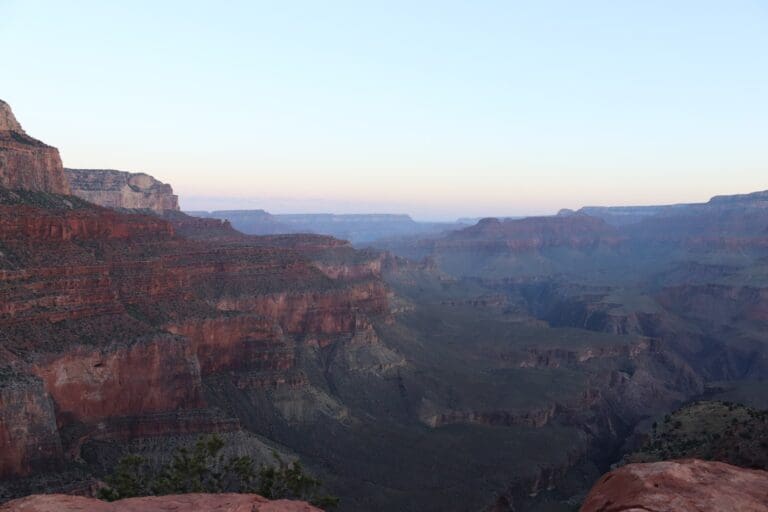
(500, 366)
(115, 328)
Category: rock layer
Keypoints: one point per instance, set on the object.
(114, 322)
(120, 189)
(8, 122)
(27, 163)
(28, 436)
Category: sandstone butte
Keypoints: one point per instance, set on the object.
(680, 486)
(181, 503)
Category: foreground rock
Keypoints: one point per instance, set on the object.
(683, 485)
(120, 189)
(198, 502)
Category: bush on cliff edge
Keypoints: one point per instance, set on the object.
(204, 469)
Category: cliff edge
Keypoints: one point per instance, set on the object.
(27, 163)
(121, 189)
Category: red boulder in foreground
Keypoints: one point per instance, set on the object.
(680, 486)
(183, 502)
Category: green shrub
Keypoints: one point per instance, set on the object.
(203, 469)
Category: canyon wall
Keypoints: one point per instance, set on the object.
(120, 189)
(115, 327)
(27, 163)
(113, 318)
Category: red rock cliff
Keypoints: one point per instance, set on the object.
(114, 320)
(27, 163)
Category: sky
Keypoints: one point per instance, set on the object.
(440, 109)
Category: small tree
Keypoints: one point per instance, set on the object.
(128, 480)
(289, 481)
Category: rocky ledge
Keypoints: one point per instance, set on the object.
(680, 486)
(198, 502)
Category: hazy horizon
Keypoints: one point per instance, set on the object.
(287, 206)
(437, 110)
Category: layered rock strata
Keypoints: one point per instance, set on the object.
(27, 163)
(120, 189)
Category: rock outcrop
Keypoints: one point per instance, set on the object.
(679, 486)
(8, 122)
(120, 189)
(183, 502)
(28, 436)
(27, 163)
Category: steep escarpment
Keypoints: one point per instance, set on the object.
(120, 189)
(110, 316)
(119, 327)
(29, 440)
(27, 163)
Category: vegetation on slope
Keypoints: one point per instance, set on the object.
(710, 430)
(204, 470)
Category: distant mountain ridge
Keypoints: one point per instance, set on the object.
(357, 228)
(623, 215)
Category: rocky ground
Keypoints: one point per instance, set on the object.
(198, 502)
(680, 485)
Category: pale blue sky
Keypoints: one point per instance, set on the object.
(435, 108)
